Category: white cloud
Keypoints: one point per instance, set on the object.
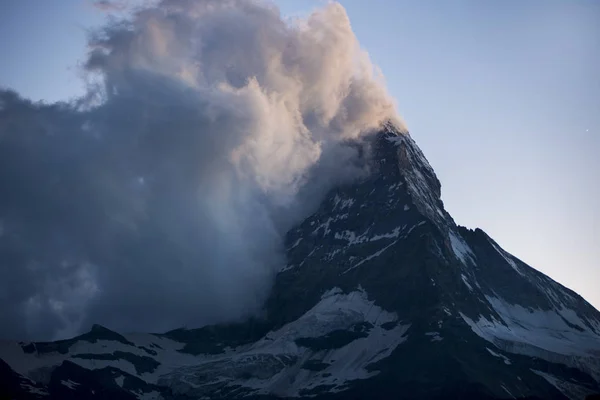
(219, 125)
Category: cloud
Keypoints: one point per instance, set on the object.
(108, 5)
(112, 5)
(162, 197)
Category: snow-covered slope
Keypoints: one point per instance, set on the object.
(330, 345)
(383, 296)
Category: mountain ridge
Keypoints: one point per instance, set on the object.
(383, 295)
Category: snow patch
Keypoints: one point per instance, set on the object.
(537, 328)
(347, 203)
(351, 237)
(461, 248)
(395, 186)
(506, 360)
(369, 258)
(287, 267)
(336, 310)
(154, 395)
(396, 140)
(507, 391)
(466, 282)
(435, 336)
(276, 360)
(392, 235)
(540, 333)
(342, 203)
(507, 258)
(570, 390)
(92, 364)
(412, 228)
(34, 390)
(70, 384)
(331, 292)
(331, 255)
(324, 226)
(336, 201)
(308, 256)
(296, 243)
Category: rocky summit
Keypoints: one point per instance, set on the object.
(383, 296)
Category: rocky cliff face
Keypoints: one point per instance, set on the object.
(383, 296)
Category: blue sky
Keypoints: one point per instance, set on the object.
(503, 98)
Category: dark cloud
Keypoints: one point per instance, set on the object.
(164, 201)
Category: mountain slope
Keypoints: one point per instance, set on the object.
(383, 296)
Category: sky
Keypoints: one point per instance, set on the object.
(502, 97)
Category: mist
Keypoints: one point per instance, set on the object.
(162, 197)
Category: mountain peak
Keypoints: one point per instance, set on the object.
(382, 295)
